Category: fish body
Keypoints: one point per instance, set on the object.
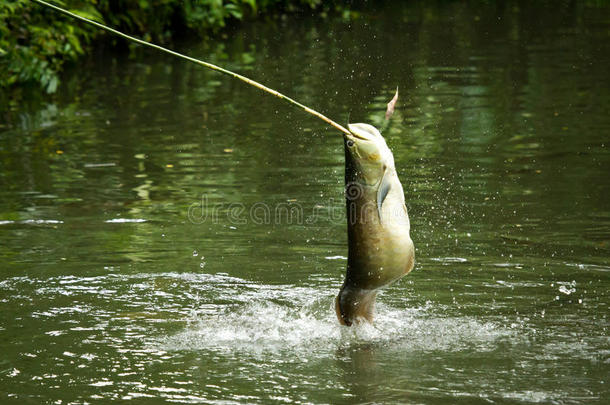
(380, 249)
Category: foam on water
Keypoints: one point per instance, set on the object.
(225, 314)
(32, 222)
(262, 325)
(125, 221)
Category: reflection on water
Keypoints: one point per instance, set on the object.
(110, 290)
(127, 333)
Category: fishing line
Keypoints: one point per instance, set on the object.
(198, 62)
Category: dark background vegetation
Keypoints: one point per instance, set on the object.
(35, 43)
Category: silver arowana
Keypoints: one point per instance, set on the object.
(380, 249)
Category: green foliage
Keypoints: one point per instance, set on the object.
(35, 43)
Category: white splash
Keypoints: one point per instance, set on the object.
(261, 325)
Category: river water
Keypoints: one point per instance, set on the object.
(171, 235)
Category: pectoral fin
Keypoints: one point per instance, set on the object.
(383, 190)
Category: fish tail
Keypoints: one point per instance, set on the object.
(355, 305)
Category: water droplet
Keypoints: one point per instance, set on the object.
(195, 254)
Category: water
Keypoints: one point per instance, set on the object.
(170, 235)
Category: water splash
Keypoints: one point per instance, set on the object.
(263, 325)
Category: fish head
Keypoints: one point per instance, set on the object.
(367, 154)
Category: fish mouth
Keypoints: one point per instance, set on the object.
(353, 135)
(357, 131)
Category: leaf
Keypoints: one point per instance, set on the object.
(52, 86)
(390, 110)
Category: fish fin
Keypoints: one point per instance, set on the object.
(383, 190)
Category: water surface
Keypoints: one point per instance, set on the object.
(170, 235)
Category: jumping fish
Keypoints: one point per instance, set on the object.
(380, 249)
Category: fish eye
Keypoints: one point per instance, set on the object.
(350, 143)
